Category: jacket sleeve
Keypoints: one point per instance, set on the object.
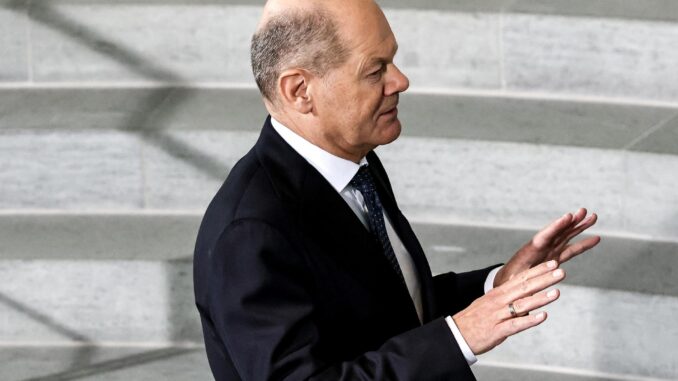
(454, 292)
(262, 309)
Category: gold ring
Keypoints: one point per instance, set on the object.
(512, 310)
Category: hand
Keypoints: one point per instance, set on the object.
(551, 243)
(488, 321)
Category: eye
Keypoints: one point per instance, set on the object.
(376, 73)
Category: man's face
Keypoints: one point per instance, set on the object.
(356, 102)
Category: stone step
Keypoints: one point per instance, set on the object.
(137, 303)
(91, 362)
(616, 125)
(601, 331)
(659, 10)
(167, 239)
(182, 363)
(525, 46)
(436, 179)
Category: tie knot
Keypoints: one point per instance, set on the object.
(363, 180)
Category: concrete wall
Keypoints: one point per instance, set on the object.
(119, 120)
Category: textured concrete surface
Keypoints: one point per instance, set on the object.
(568, 123)
(136, 301)
(601, 331)
(470, 182)
(666, 10)
(499, 373)
(524, 185)
(590, 56)
(532, 46)
(210, 42)
(468, 56)
(104, 363)
(104, 185)
(170, 237)
(661, 140)
(95, 41)
(616, 264)
(179, 364)
(185, 169)
(13, 42)
(625, 9)
(130, 109)
(97, 301)
(113, 169)
(145, 237)
(70, 170)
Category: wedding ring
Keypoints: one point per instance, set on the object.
(512, 310)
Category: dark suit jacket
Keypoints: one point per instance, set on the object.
(291, 286)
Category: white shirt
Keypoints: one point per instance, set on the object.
(339, 172)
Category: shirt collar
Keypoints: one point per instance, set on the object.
(336, 170)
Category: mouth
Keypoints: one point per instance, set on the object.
(393, 111)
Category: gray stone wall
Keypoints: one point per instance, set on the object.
(119, 120)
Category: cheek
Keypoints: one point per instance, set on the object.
(355, 110)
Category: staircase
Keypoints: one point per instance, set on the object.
(120, 120)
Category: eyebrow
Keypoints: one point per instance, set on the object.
(380, 60)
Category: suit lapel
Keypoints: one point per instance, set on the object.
(329, 225)
(327, 217)
(406, 235)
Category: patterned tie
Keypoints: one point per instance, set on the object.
(362, 181)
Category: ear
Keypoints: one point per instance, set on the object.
(293, 90)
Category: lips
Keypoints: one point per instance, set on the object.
(392, 108)
(390, 112)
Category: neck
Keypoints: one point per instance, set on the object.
(314, 135)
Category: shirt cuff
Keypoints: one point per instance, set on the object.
(465, 349)
(489, 282)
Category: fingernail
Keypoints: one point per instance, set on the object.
(552, 293)
(551, 264)
(558, 273)
(539, 316)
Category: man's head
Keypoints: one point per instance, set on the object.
(326, 71)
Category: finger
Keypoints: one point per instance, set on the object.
(523, 306)
(531, 286)
(528, 274)
(593, 218)
(578, 217)
(573, 231)
(512, 326)
(575, 249)
(550, 232)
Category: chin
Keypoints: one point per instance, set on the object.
(391, 132)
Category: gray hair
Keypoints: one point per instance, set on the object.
(295, 39)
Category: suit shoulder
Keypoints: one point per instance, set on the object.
(247, 193)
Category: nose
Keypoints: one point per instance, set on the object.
(397, 82)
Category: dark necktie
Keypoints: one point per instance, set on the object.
(362, 181)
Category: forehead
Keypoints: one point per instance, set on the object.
(365, 29)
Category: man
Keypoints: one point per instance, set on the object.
(305, 268)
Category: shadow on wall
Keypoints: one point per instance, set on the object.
(138, 123)
(120, 363)
(80, 356)
(151, 108)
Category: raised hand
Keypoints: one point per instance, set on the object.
(504, 311)
(551, 243)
